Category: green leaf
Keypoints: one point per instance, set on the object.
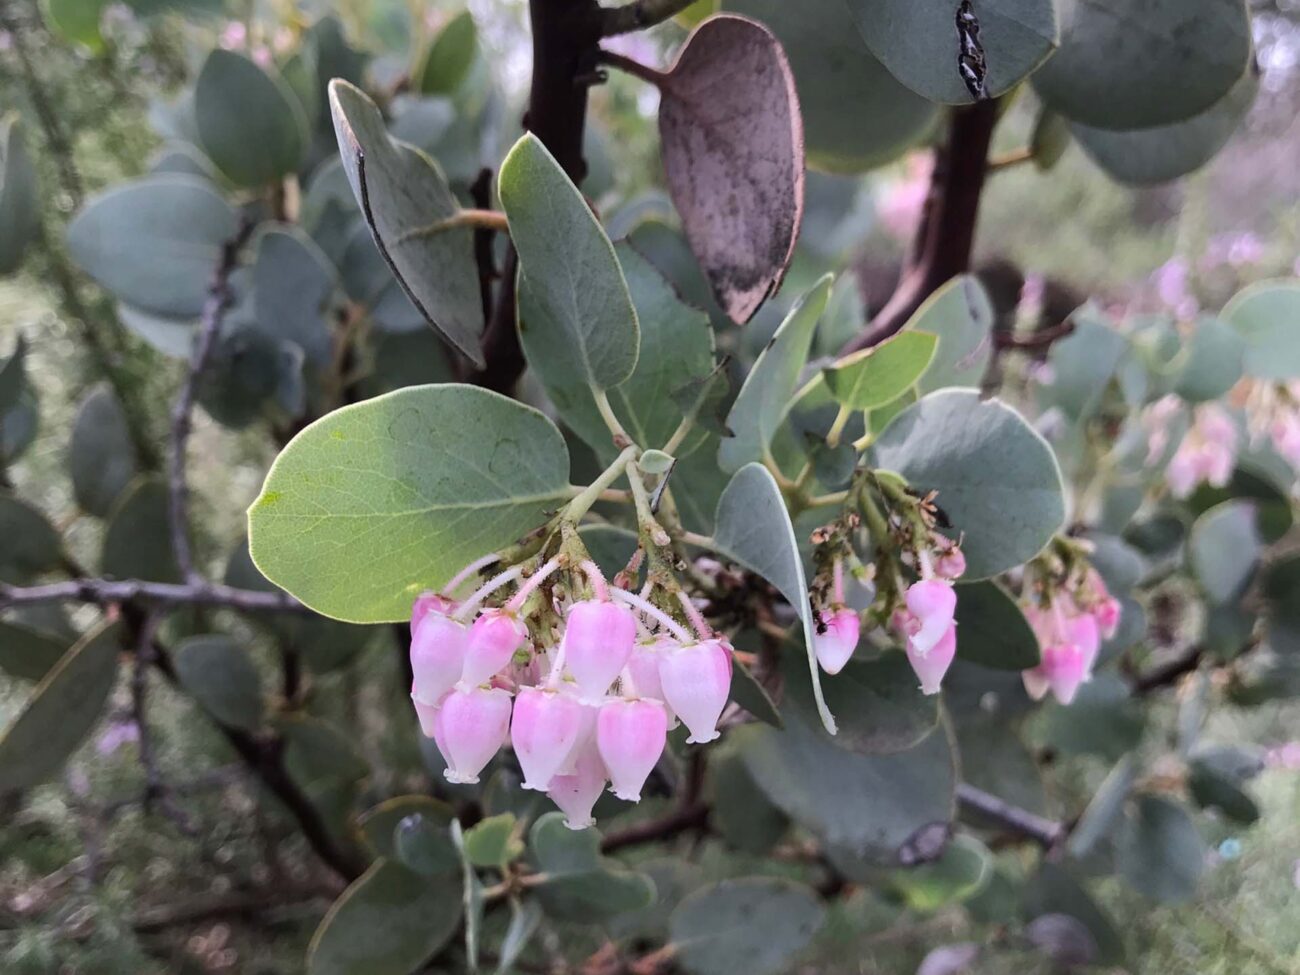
(676, 345)
(961, 315)
(838, 78)
(1103, 720)
(177, 226)
(750, 926)
(29, 545)
(384, 827)
(1265, 314)
(1054, 891)
(250, 124)
(1104, 810)
(753, 528)
(874, 806)
(101, 457)
(1281, 592)
(137, 537)
(402, 192)
(388, 922)
(170, 336)
(996, 477)
(219, 674)
(1215, 355)
(738, 810)
(991, 629)
(28, 653)
(76, 21)
(1083, 365)
(376, 502)
(765, 396)
(492, 842)
(879, 702)
(731, 140)
(1050, 139)
(293, 282)
(919, 44)
(1224, 549)
(751, 695)
(674, 877)
(961, 872)
(1125, 65)
(582, 886)
(1211, 789)
(874, 377)
(1160, 852)
(62, 709)
(325, 764)
(995, 759)
(20, 215)
(571, 287)
(1149, 156)
(447, 60)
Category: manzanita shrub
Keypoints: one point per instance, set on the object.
(811, 586)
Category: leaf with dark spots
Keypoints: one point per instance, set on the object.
(732, 141)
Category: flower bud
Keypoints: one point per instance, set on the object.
(931, 665)
(429, 602)
(493, 640)
(474, 725)
(951, 563)
(598, 640)
(437, 657)
(696, 684)
(630, 736)
(834, 646)
(576, 793)
(932, 603)
(543, 731)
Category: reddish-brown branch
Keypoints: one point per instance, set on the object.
(946, 233)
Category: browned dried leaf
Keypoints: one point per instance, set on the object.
(732, 141)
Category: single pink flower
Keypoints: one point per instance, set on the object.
(931, 665)
(543, 730)
(474, 725)
(598, 640)
(429, 602)
(493, 640)
(931, 603)
(834, 646)
(696, 684)
(950, 564)
(1066, 668)
(437, 656)
(630, 736)
(576, 792)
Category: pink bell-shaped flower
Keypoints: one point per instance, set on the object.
(543, 731)
(931, 665)
(1065, 666)
(950, 563)
(696, 684)
(931, 602)
(834, 646)
(1107, 613)
(437, 656)
(598, 640)
(643, 667)
(1082, 631)
(474, 725)
(631, 736)
(586, 736)
(1036, 682)
(493, 640)
(428, 717)
(429, 602)
(576, 793)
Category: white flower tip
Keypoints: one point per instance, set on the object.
(535, 787)
(578, 826)
(627, 796)
(930, 690)
(693, 740)
(458, 779)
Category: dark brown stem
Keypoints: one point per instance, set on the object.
(214, 312)
(1169, 673)
(1047, 833)
(565, 38)
(1036, 340)
(481, 193)
(105, 592)
(946, 233)
(155, 789)
(635, 68)
(687, 818)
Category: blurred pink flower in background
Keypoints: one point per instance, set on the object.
(1207, 453)
(900, 204)
(117, 734)
(233, 36)
(1172, 281)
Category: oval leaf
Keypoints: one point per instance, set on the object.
(29, 545)
(732, 144)
(249, 123)
(20, 215)
(881, 374)
(449, 58)
(571, 285)
(1160, 852)
(177, 226)
(63, 708)
(137, 538)
(751, 926)
(920, 42)
(28, 653)
(1223, 550)
(961, 315)
(753, 528)
(991, 629)
(402, 194)
(102, 457)
(1133, 65)
(219, 674)
(376, 502)
(996, 477)
(1267, 316)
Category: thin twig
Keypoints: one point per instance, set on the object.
(155, 789)
(686, 818)
(639, 15)
(1045, 832)
(633, 67)
(214, 311)
(105, 592)
(1035, 340)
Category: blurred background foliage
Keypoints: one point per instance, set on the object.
(88, 883)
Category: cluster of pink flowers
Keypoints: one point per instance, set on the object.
(1206, 454)
(1070, 629)
(590, 706)
(924, 622)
